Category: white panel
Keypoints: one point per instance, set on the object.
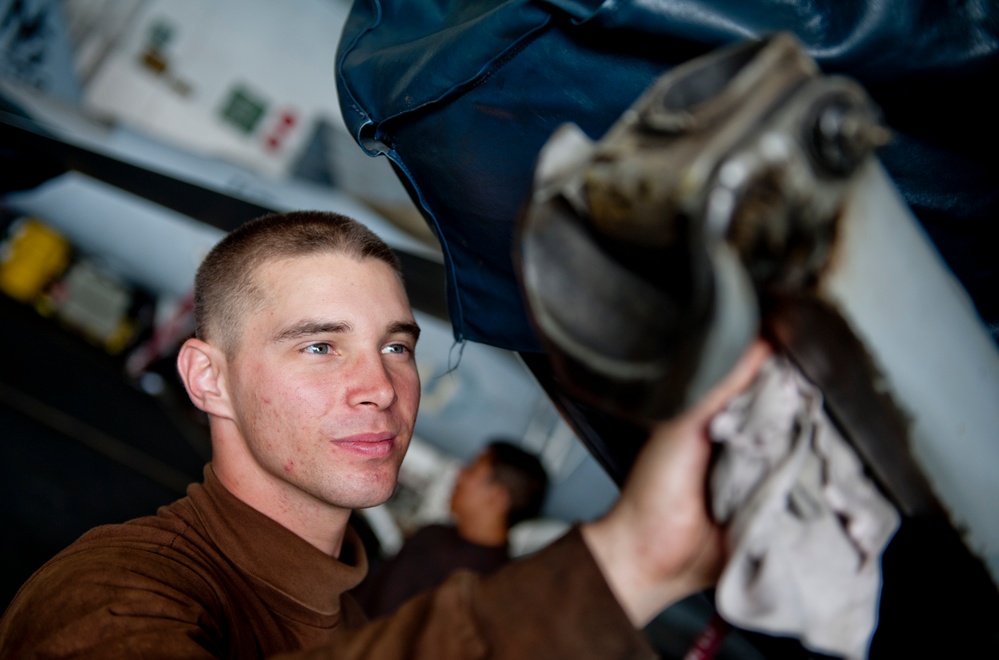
(939, 361)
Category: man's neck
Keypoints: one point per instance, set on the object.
(321, 525)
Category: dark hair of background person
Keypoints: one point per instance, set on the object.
(523, 476)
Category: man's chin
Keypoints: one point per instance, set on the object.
(365, 496)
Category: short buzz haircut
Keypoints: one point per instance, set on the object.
(225, 286)
(523, 476)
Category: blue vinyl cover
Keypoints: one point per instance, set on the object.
(461, 96)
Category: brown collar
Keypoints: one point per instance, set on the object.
(274, 555)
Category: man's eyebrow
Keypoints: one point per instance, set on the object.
(309, 328)
(406, 328)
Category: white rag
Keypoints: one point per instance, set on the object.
(804, 525)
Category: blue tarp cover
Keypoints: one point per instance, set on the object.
(462, 95)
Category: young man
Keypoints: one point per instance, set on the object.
(502, 486)
(303, 361)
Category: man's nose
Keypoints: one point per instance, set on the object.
(371, 383)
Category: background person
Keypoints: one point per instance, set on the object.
(502, 486)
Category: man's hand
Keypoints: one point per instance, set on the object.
(658, 543)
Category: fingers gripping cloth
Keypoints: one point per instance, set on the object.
(805, 526)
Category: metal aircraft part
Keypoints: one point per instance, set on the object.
(929, 353)
(741, 193)
(725, 177)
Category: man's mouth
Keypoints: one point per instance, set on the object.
(373, 445)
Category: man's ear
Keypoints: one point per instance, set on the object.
(202, 368)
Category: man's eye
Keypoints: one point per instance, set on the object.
(396, 348)
(318, 349)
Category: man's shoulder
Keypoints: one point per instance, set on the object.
(167, 550)
(152, 569)
(153, 547)
(165, 528)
